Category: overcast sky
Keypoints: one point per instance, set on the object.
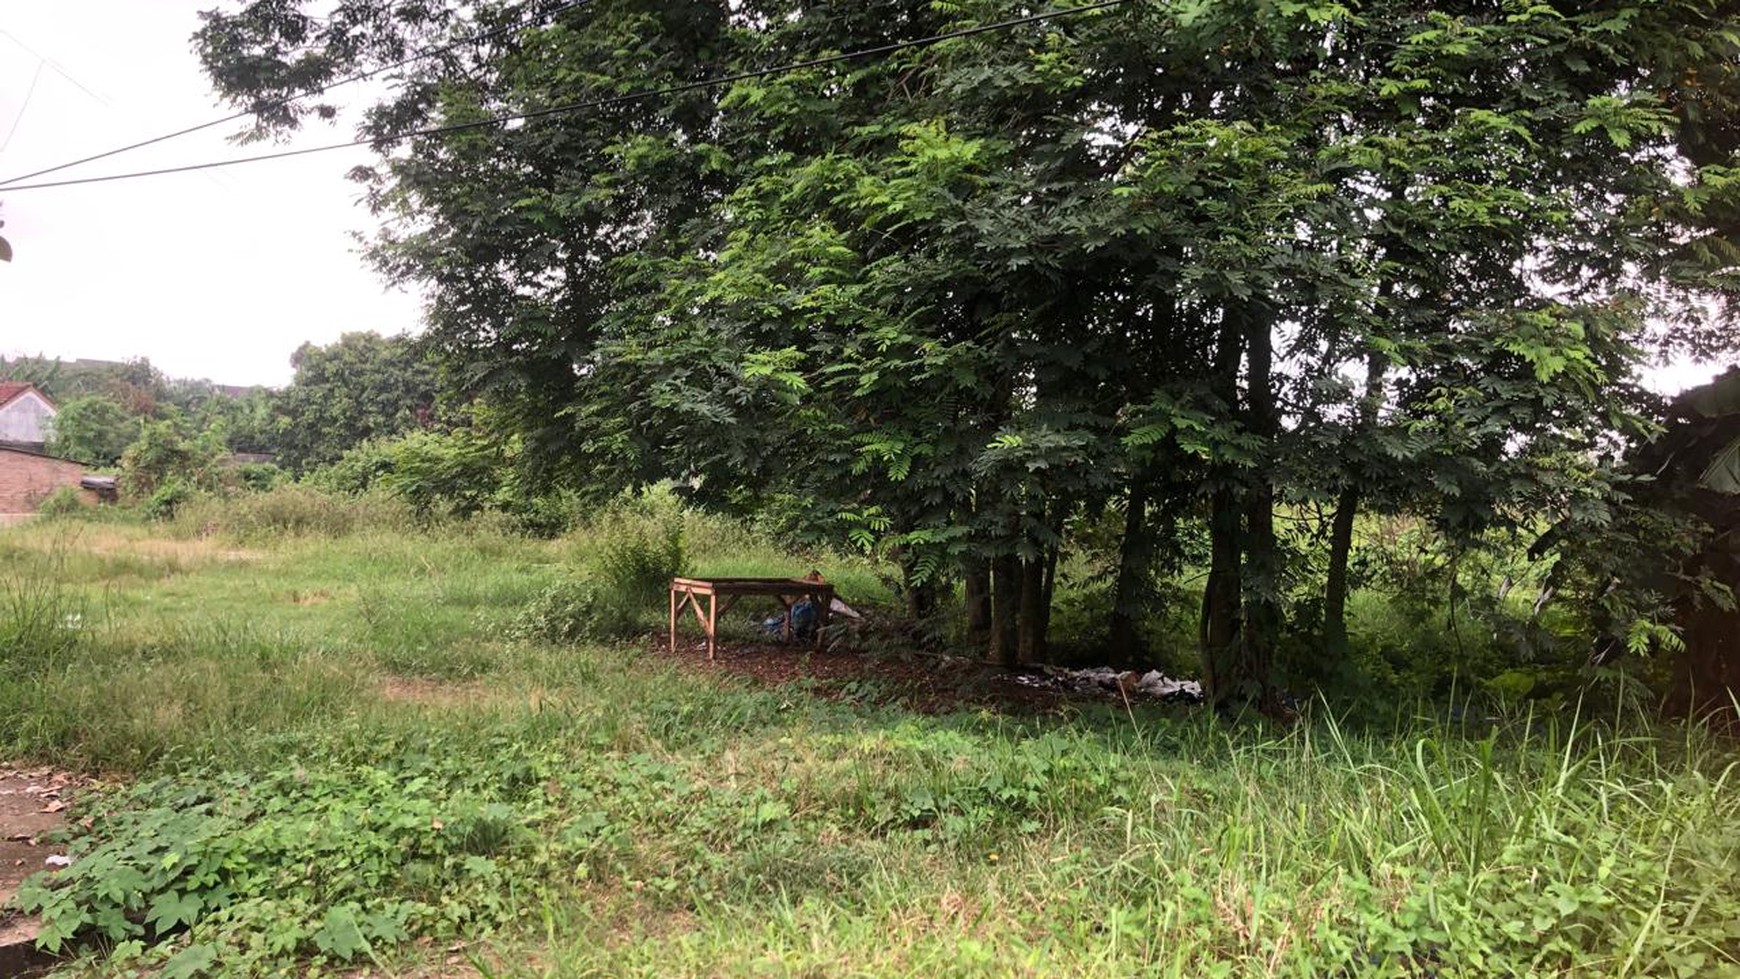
(217, 275)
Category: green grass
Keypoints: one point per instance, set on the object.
(343, 751)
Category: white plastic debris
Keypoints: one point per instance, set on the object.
(1104, 679)
(59, 860)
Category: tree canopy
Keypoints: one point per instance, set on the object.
(1251, 267)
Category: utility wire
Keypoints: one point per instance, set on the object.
(29, 94)
(59, 68)
(589, 104)
(286, 100)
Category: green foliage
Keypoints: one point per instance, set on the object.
(168, 498)
(63, 502)
(360, 387)
(167, 459)
(42, 620)
(579, 806)
(453, 473)
(458, 473)
(361, 467)
(260, 476)
(637, 548)
(325, 862)
(93, 430)
(574, 610)
(134, 385)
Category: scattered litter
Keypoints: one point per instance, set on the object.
(59, 860)
(841, 608)
(1152, 684)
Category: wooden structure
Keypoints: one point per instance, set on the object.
(722, 593)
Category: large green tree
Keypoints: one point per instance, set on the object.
(93, 430)
(359, 387)
(1194, 261)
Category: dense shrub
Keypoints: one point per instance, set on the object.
(637, 547)
(460, 473)
(260, 476)
(168, 498)
(358, 470)
(63, 502)
(574, 610)
(166, 453)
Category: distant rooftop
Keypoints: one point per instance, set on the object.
(13, 389)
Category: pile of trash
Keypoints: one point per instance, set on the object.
(1152, 685)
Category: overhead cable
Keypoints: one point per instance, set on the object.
(287, 99)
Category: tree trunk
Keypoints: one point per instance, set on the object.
(977, 586)
(1346, 511)
(1335, 579)
(1051, 556)
(1221, 593)
(1122, 636)
(1005, 600)
(1261, 630)
(1030, 639)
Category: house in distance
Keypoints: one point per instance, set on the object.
(24, 415)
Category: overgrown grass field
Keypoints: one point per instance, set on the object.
(333, 746)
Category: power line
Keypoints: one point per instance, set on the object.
(592, 103)
(59, 68)
(29, 94)
(286, 100)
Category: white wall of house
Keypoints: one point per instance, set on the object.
(25, 418)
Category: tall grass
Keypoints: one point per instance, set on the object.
(645, 820)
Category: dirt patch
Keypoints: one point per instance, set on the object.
(927, 683)
(33, 804)
(319, 596)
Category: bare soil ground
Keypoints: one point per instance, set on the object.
(32, 804)
(924, 682)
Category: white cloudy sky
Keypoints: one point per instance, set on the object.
(218, 275)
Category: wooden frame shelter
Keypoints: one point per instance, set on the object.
(722, 593)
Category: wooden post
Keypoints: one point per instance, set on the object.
(712, 624)
(673, 617)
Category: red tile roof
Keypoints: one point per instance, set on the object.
(12, 389)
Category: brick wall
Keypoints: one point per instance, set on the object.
(26, 478)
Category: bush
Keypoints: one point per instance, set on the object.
(260, 476)
(638, 549)
(168, 498)
(360, 469)
(63, 502)
(164, 454)
(574, 611)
